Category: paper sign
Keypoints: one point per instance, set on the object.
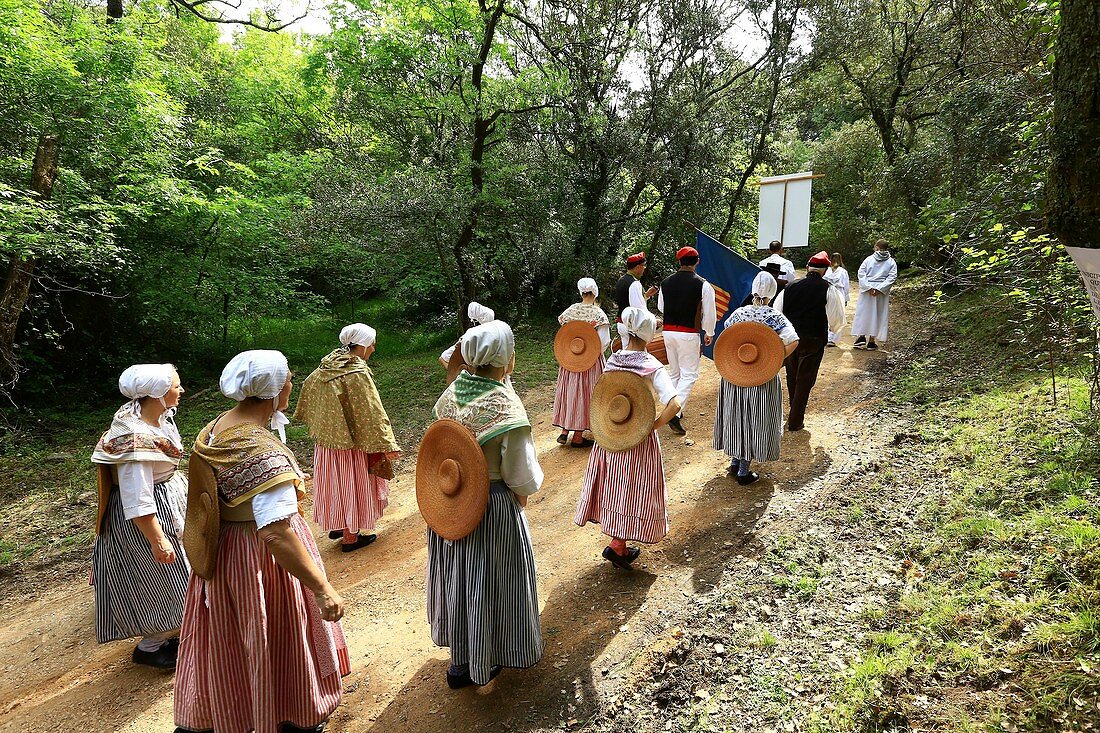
(1088, 262)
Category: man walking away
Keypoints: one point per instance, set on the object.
(628, 290)
(814, 307)
(786, 267)
(687, 302)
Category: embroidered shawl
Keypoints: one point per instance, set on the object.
(487, 407)
(584, 312)
(341, 406)
(246, 460)
(641, 363)
(132, 439)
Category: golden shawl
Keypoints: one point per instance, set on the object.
(243, 461)
(340, 405)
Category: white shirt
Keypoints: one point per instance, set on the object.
(637, 295)
(839, 278)
(834, 308)
(511, 458)
(710, 317)
(786, 267)
(275, 504)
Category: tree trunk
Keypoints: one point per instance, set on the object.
(114, 11)
(1073, 209)
(17, 284)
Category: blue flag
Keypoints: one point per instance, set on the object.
(730, 275)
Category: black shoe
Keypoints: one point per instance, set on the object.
(363, 541)
(163, 658)
(749, 478)
(621, 561)
(458, 681)
(831, 344)
(181, 729)
(861, 342)
(291, 728)
(872, 346)
(585, 443)
(563, 437)
(336, 534)
(675, 426)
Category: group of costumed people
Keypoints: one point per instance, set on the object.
(219, 575)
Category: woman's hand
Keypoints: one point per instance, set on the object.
(521, 499)
(163, 552)
(330, 603)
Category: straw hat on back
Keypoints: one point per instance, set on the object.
(748, 354)
(452, 480)
(577, 346)
(622, 410)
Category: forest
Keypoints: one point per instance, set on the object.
(173, 188)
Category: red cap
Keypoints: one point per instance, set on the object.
(821, 259)
(635, 259)
(686, 252)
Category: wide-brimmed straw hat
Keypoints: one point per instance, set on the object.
(452, 480)
(622, 411)
(577, 346)
(748, 354)
(455, 365)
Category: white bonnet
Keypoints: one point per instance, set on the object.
(358, 334)
(259, 373)
(764, 286)
(146, 380)
(588, 285)
(637, 322)
(480, 313)
(491, 344)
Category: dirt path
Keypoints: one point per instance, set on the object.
(595, 619)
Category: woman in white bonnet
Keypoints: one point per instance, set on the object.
(748, 421)
(573, 393)
(354, 445)
(261, 645)
(482, 591)
(479, 315)
(139, 571)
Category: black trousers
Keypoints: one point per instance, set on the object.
(802, 366)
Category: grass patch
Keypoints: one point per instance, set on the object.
(1010, 597)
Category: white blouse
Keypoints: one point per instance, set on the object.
(511, 458)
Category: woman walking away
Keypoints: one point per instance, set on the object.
(261, 647)
(838, 276)
(574, 389)
(481, 590)
(354, 447)
(139, 570)
(624, 491)
(748, 423)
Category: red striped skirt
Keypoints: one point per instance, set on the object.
(345, 495)
(624, 492)
(573, 395)
(254, 650)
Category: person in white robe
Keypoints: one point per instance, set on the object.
(786, 267)
(838, 277)
(877, 275)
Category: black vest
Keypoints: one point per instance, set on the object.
(682, 292)
(622, 292)
(804, 305)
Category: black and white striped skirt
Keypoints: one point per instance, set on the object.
(134, 594)
(482, 595)
(748, 423)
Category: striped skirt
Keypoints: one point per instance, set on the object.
(748, 423)
(573, 396)
(134, 594)
(482, 596)
(624, 492)
(254, 650)
(345, 495)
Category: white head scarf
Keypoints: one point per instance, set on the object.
(480, 313)
(259, 373)
(491, 344)
(638, 323)
(764, 286)
(146, 380)
(588, 285)
(358, 334)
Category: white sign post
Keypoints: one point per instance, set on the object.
(1088, 262)
(785, 210)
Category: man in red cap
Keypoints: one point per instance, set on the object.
(814, 307)
(687, 302)
(628, 290)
